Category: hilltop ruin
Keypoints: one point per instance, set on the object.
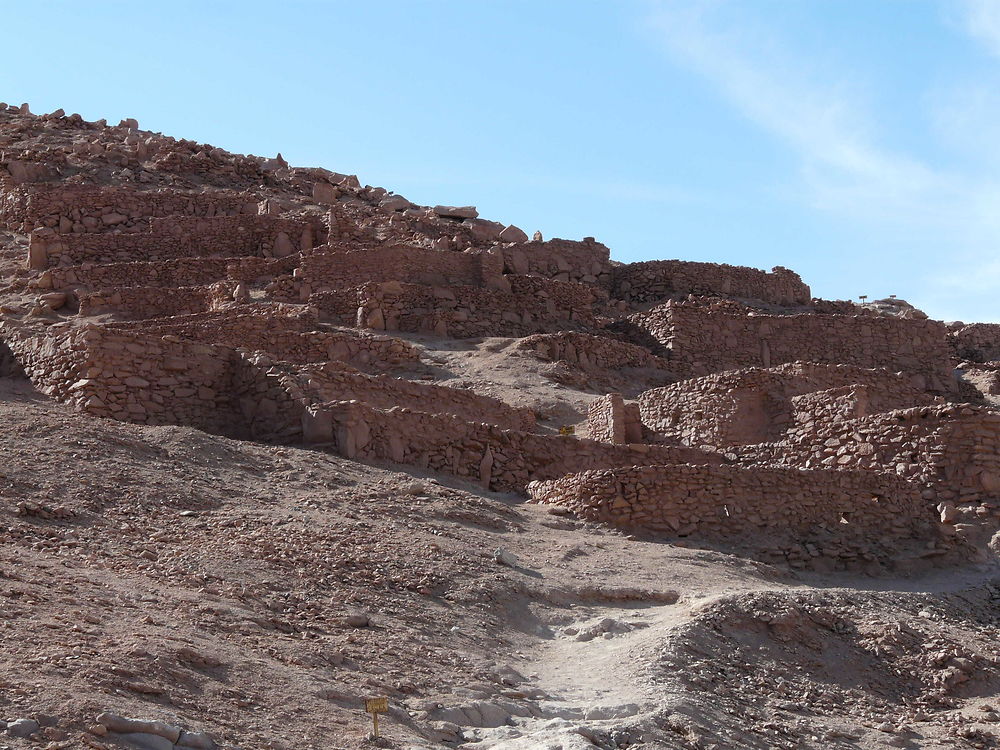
(169, 282)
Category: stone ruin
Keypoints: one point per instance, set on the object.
(160, 282)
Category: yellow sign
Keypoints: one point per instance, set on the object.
(567, 430)
(376, 706)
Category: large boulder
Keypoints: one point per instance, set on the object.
(456, 212)
(513, 234)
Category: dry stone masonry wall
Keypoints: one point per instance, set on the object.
(92, 208)
(953, 450)
(503, 460)
(175, 237)
(979, 342)
(170, 282)
(589, 352)
(656, 280)
(706, 338)
(757, 405)
(796, 514)
(587, 262)
(334, 381)
(330, 271)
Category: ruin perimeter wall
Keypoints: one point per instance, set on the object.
(838, 511)
(83, 208)
(533, 305)
(139, 303)
(502, 460)
(331, 270)
(978, 342)
(589, 352)
(707, 338)
(338, 382)
(178, 272)
(587, 262)
(655, 280)
(134, 378)
(756, 405)
(288, 335)
(952, 450)
(175, 237)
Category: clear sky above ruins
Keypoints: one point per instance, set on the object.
(854, 141)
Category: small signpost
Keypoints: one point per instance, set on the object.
(376, 706)
(567, 430)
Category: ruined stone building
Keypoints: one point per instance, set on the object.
(161, 281)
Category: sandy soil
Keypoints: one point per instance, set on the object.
(260, 593)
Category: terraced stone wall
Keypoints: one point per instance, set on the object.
(285, 334)
(178, 272)
(706, 338)
(90, 208)
(502, 460)
(953, 450)
(756, 405)
(140, 303)
(335, 381)
(174, 237)
(133, 378)
(591, 353)
(329, 271)
(837, 512)
(978, 342)
(587, 262)
(533, 305)
(655, 280)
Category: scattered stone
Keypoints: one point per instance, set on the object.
(456, 212)
(22, 727)
(357, 620)
(513, 234)
(505, 557)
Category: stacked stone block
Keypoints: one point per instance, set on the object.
(657, 280)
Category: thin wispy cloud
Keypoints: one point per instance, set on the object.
(826, 120)
(981, 19)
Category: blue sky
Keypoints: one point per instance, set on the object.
(854, 141)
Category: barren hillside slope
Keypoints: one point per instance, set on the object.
(277, 442)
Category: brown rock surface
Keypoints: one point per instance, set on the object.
(269, 436)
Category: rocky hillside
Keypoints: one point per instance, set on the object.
(279, 442)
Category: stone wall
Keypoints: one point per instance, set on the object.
(851, 402)
(706, 338)
(288, 335)
(587, 262)
(91, 208)
(178, 272)
(268, 397)
(174, 237)
(756, 405)
(134, 378)
(330, 271)
(139, 303)
(952, 450)
(838, 513)
(985, 378)
(611, 420)
(533, 305)
(978, 342)
(502, 460)
(171, 273)
(335, 381)
(591, 353)
(656, 280)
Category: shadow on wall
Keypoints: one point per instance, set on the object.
(10, 367)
